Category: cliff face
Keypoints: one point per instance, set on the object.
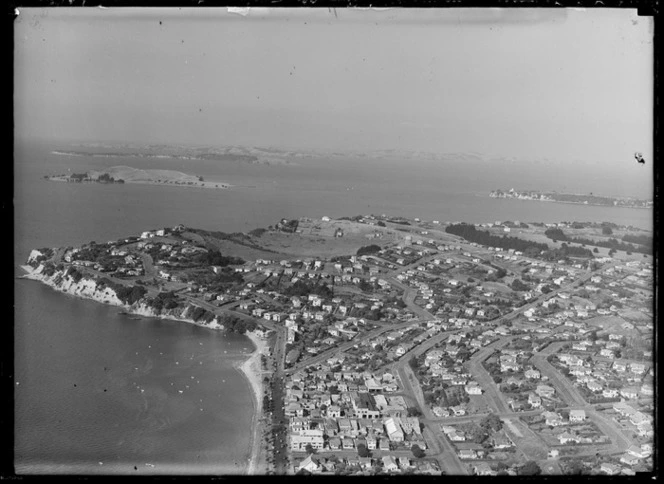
(89, 289)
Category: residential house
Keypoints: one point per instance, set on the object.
(567, 438)
(532, 374)
(300, 440)
(534, 400)
(467, 454)
(553, 419)
(610, 469)
(473, 388)
(629, 393)
(393, 430)
(389, 464)
(639, 452)
(347, 443)
(335, 443)
(629, 459)
(309, 464)
(545, 391)
(577, 416)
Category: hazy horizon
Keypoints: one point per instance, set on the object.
(559, 84)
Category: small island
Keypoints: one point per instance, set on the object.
(127, 174)
(589, 199)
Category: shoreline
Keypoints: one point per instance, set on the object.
(252, 371)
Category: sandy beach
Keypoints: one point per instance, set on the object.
(251, 369)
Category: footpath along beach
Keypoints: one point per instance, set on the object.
(252, 370)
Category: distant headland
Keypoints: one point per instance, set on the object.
(572, 198)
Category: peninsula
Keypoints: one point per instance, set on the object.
(392, 345)
(589, 199)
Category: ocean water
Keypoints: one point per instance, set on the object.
(96, 386)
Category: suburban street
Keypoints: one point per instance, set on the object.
(491, 391)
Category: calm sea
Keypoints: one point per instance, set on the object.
(98, 392)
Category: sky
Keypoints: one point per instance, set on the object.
(563, 84)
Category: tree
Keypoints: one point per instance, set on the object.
(518, 285)
(364, 285)
(368, 249)
(414, 412)
(491, 421)
(530, 468)
(417, 451)
(575, 468)
(478, 434)
(596, 250)
(362, 451)
(309, 449)
(607, 230)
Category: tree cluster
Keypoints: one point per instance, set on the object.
(518, 285)
(74, 274)
(237, 325)
(127, 294)
(303, 288)
(215, 258)
(368, 249)
(164, 300)
(482, 237)
(289, 226)
(613, 244)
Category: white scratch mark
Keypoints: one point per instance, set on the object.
(244, 11)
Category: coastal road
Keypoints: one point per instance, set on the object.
(279, 420)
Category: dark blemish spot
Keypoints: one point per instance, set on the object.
(74, 384)
(159, 24)
(104, 389)
(136, 468)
